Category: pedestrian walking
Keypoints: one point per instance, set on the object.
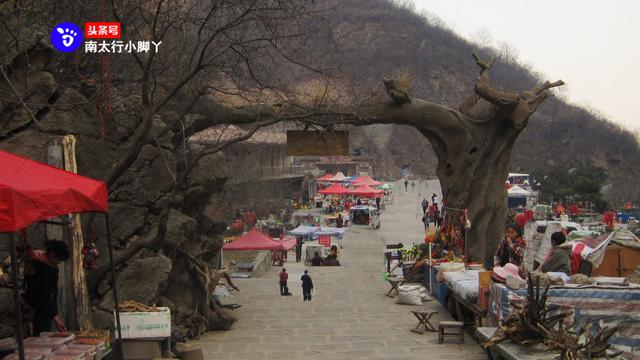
(431, 213)
(425, 205)
(378, 203)
(413, 186)
(406, 184)
(307, 286)
(298, 248)
(284, 289)
(436, 216)
(425, 221)
(434, 198)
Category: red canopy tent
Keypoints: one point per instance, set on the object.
(335, 189)
(326, 177)
(30, 192)
(367, 191)
(255, 240)
(366, 180)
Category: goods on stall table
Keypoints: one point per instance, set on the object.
(93, 337)
(29, 354)
(66, 337)
(44, 342)
(134, 306)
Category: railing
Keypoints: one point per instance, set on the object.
(270, 171)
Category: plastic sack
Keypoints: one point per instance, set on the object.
(410, 295)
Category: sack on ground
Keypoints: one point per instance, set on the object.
(410, 295)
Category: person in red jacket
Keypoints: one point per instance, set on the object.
(574, 212)
(284, 289)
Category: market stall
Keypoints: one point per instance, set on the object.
(31, 192)
(387, 189)
(325, 178)
(588, 304)
(366, 180)
(338, 177)
(365, 190)
(335, 189)
(256, 240)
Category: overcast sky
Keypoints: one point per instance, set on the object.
(593, 45)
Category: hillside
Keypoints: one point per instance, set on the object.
(374, 38)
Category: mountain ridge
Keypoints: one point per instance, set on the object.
(377, 37)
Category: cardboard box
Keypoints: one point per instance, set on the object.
(484, 279)
(146, 325)
(483, 298)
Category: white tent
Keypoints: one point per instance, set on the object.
(516, 190)
(338, 177)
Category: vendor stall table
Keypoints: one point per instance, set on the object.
(512, 351)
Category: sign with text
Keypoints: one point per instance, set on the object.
(102, 30)
(317, 143)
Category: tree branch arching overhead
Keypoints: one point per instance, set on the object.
(473, 143)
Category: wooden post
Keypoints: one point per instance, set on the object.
(66, 300)
(78, 278)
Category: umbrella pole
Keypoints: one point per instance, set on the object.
(16, 296)
(113, 287)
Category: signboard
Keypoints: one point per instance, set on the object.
(317, 143)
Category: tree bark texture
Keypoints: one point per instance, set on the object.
(82, 314)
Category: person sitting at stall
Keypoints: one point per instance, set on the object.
(317, 260)
(333, 253)
(41, 283)
(511, 248)
(332, 258)
(560, 259)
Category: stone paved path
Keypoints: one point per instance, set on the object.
(349, 317)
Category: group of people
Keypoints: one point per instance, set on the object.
(512, 247)
(406, 185)
(330, 260)
(307, 284)
(430, 213)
